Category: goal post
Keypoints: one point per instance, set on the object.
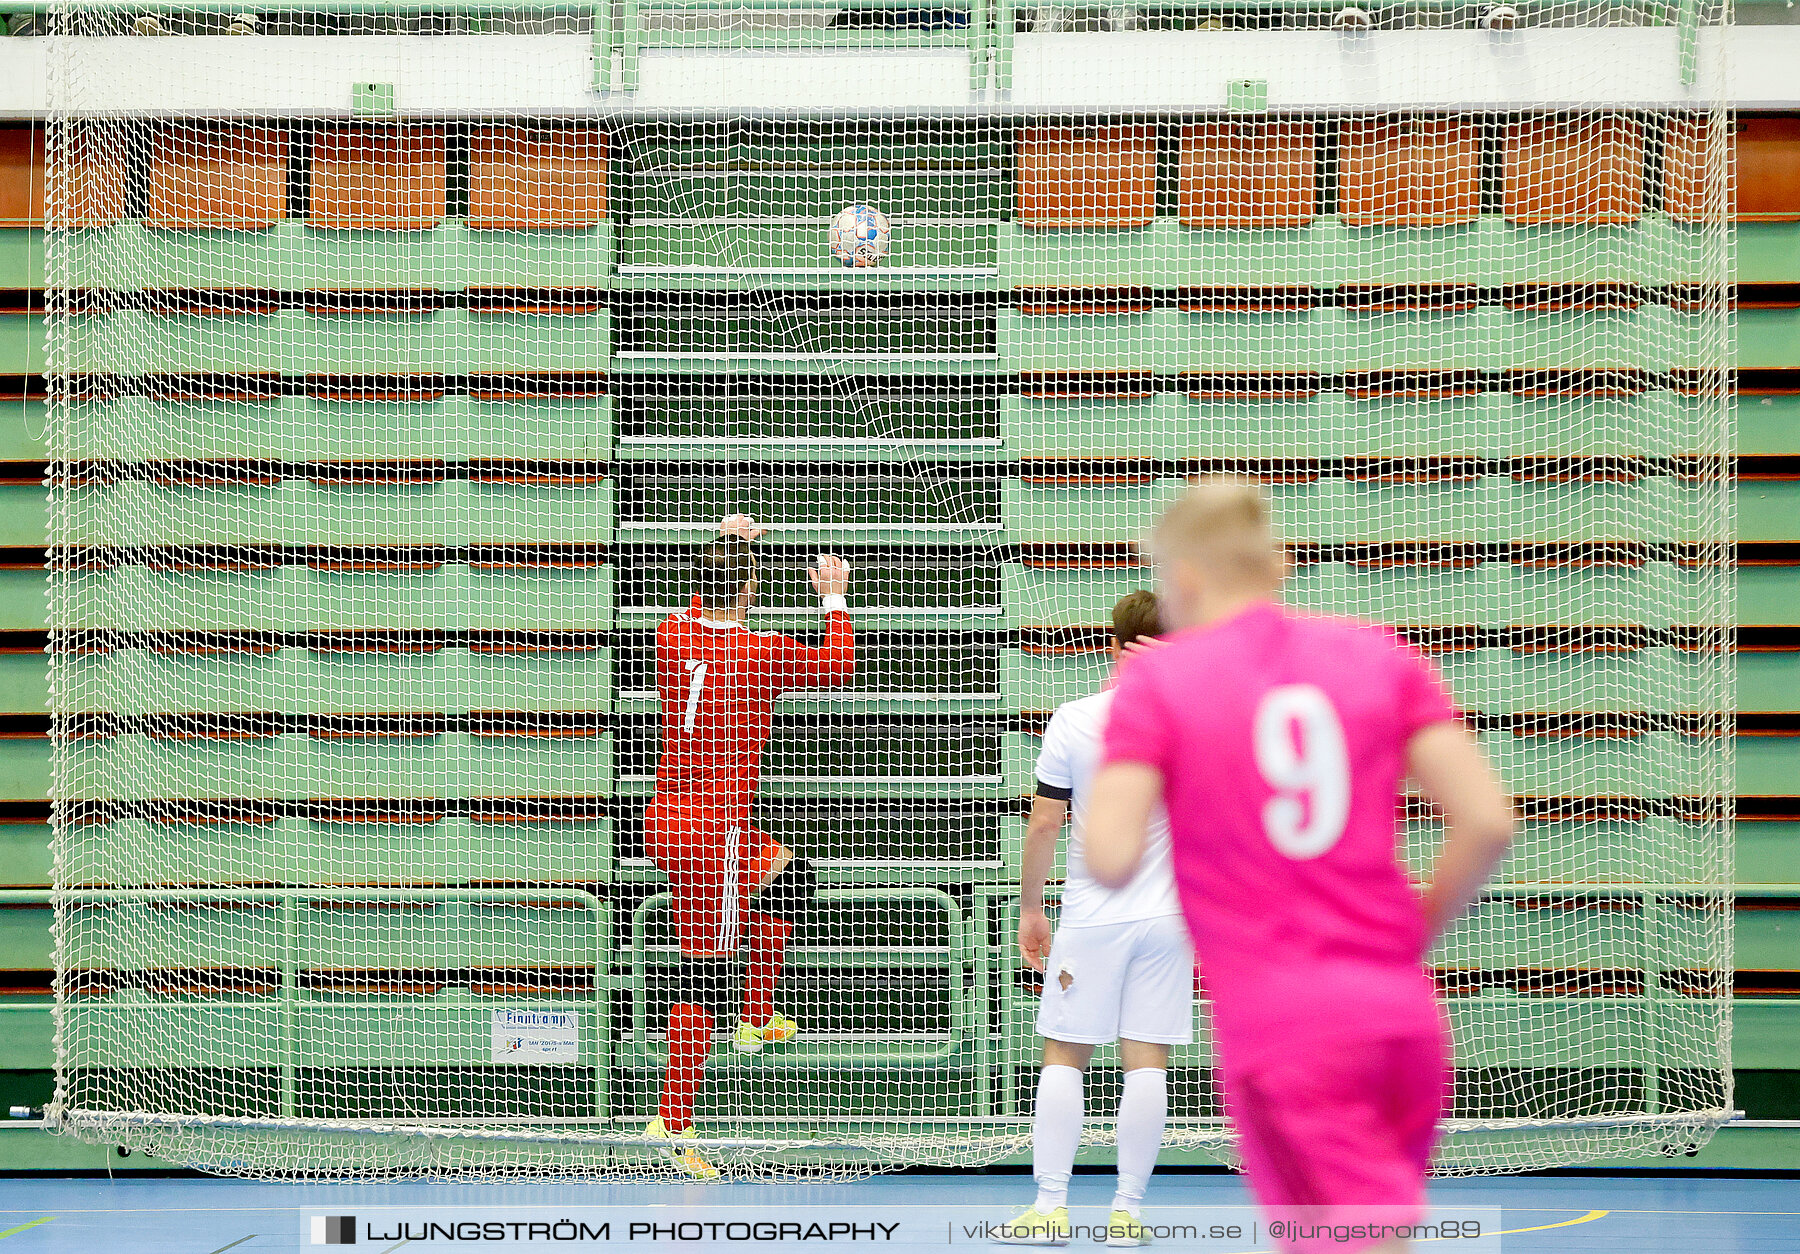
(398, 360)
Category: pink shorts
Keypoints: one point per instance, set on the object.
(1341, 1127)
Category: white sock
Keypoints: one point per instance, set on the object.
(1055, 1133)
(1143, 1109)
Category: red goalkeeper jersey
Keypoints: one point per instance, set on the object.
(718, 683)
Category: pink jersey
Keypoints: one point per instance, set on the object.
(1282, 740)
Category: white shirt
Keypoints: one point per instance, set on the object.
(1069, 758)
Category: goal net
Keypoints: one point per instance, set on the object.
(400, 361)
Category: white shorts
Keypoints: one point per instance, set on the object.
(1134, 980)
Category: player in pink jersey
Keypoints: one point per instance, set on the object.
(1278, 742)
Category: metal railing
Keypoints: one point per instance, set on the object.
(288, 963)
(958, 958)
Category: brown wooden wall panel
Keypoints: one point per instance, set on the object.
(523, 179)
(21, 176)
(377, 178)
(1586, 169)
(218, 177)
(1249, 174)
(1103, 176)
(99, 173)
(1409, 171)
(1767, 153)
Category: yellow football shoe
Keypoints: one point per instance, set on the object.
(751, 1039)
(1032, 1227)
(686, 1159)
(1125, 1230)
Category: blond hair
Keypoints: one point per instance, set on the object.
(1221, 525)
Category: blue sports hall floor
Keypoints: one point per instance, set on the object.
(1685, 1214)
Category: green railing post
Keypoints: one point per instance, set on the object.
(1003, 1031)
(601, 1042)
(980, 23)
(631, 43)
(985, 962)
(639, 970)
(1005, 18)
(602, 45)
(1687, 36)
(288, 960)
(1654, 993)
(962, 1018)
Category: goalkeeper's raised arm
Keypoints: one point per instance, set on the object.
(833, 662)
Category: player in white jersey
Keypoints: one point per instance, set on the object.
(1121, 969)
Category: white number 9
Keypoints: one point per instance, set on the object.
(1300, 752)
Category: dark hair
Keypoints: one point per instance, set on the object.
(721, 569)
(1136, 615)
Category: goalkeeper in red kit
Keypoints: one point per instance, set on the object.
(718, 682)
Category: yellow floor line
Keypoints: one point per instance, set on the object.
(1567, 1223)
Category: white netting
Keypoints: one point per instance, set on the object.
(382, 443)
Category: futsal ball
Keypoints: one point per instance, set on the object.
(859, 236)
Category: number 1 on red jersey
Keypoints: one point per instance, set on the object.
(697, 672)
